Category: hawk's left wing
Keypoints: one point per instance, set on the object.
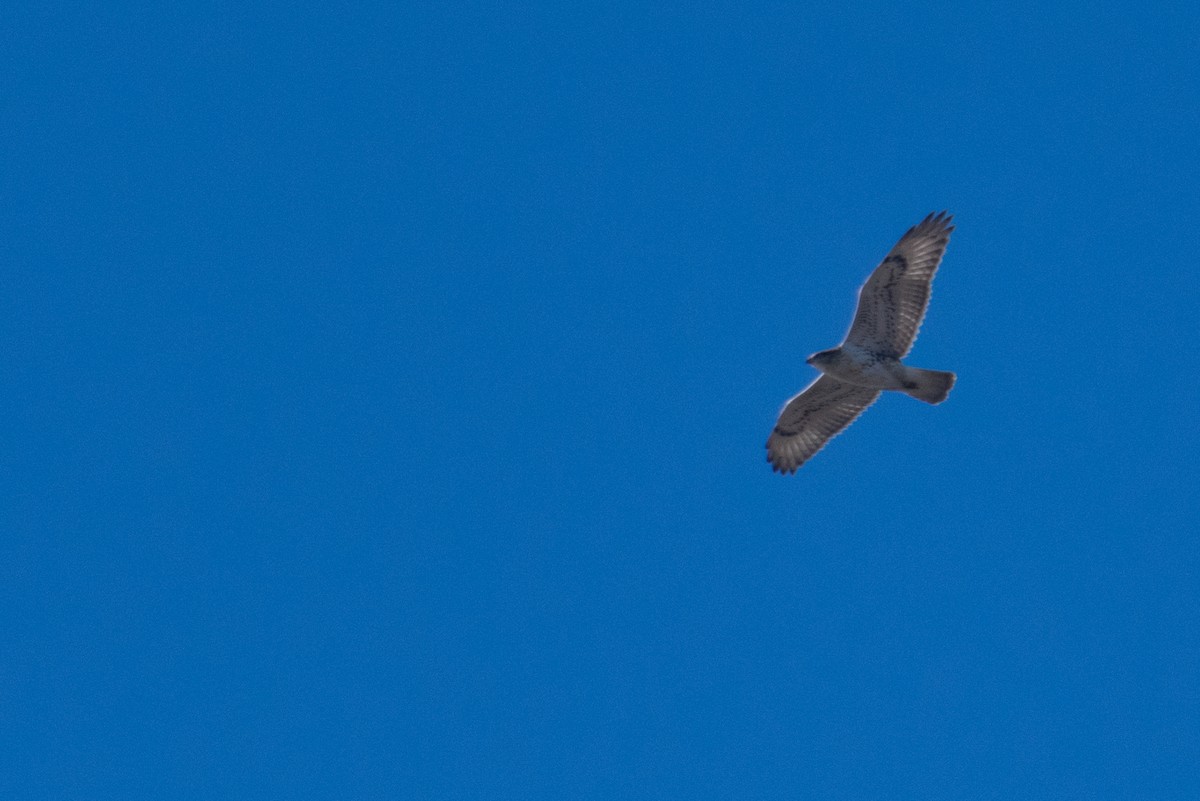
(892, 303)
(812, 418)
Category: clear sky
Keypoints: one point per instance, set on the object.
(385, 391)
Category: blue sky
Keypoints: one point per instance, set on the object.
(386, 389)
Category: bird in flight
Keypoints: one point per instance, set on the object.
(891, 305)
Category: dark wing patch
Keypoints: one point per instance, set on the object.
(812, 418)
(892, 303)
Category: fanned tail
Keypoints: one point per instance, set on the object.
(931, 386)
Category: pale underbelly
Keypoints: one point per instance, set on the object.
(877, 375)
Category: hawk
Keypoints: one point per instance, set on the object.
(891, 305)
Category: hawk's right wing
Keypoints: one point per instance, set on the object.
(892, 303)
(812, 418)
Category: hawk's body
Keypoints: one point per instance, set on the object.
(891, 305)
(865, 368)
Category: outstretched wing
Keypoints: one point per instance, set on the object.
(892, 303)
(812, 418)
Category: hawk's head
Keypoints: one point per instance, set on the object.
(824, 357)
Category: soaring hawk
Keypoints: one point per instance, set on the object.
(891, 305)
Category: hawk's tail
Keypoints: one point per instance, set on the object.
(931, 386)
